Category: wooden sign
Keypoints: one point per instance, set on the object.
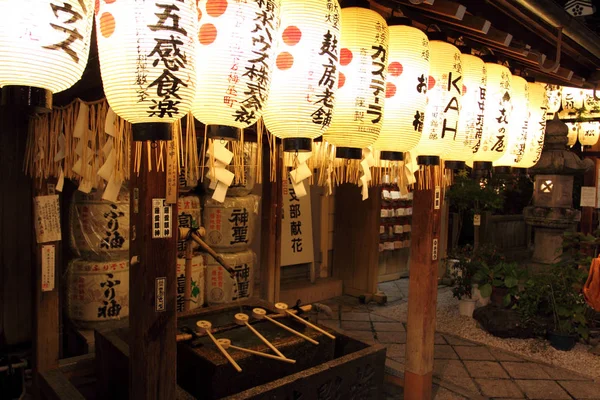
(296, 226)
(48, 267)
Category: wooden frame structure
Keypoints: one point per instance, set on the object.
(514, 29)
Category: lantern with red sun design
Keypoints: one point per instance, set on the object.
(519, 125)
(235, 57)
(358, 114)
(44, 48)
(147, 62)
(498, 107)
(406, 89)
(305, 77)
(440, 125)
(470, 120)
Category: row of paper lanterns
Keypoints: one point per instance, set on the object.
(307, 67)
(588, 133)
(572, 100)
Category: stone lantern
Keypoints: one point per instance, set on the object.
(552, 212)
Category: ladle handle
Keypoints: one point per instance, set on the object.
(311, 325)
(287, 328)
(258, 353)
(265, 341)
(225, 353)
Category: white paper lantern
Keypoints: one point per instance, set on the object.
(440, 125)
(147, 53)
(406, 90)
(573, 133)
(536, 131)
(43, 43)
(235, 58)
(592, 106)
(554, 93)
(305, 78)
(497, 116)
(572, 100)
(519, 124)
(359, 109)
(589, 133)
(470, 121)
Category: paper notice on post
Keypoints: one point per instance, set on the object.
(48, 267)
(588, 196)
(47, 218)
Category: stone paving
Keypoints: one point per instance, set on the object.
(462, 369)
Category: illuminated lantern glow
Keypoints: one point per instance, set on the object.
(589, 133)
(235, 58)
(592, 106)
(573, 133)
(445, 83)
(554, 93)
(302, 96)
(496, 124)
(519, 125)
(147, 62)
(359, 109)
(406, 90)
(572, 100)
(536, 131)
(470, 120)
(44, 47)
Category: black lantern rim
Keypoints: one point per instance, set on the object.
(391, 155)
(350, 153)
(482, 166)
(454, 165)
(297, 144)
(428, 160)
(223, 132)
(34, 99)
(151, 131)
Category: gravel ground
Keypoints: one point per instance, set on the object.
(450, 321)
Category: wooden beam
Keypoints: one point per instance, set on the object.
(270, 239)
(441, 7)
(499, 36)
(422, 294)
(152, 284)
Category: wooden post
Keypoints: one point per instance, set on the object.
(270, 241)
(422, 295)
(16, 210)
(152, 282)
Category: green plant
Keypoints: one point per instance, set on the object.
(554, 297)
(462, 272)
(501, 275)
(468, 196)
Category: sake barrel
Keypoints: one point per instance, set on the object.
(99, 229)
(231, 225)
(220, 288)
(238, 187)
(188, 216)
(97, 291)
(197, 295)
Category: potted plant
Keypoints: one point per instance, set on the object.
(463, 274)
(569, 309)
(500, 281)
